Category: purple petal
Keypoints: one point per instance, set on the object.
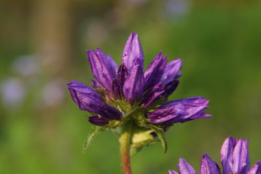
(185, 167)
(208, 166)
(127, 46)
(116, 88)
(171, 71)
(256, 169)
(178, 75)
(154, 72)
(246, 142)
(183, 110)
(162, 115)
(188, 102)
(138, 62)
(171, 87)
(132, 51)
(188, 109)
(152, 94)
(173, 172)
(153, 97)
(109, 112)
(96, 84)
(81, 87)
(113, 64)
(122, 74)
(248, 157)
(101, 67)
(98, 121)
(107, 60)
(199, 116)
(133, 86)
(240, 158)
(186, 119)
(84, 96)
(94, 63)
(235, 141)
(89, 100)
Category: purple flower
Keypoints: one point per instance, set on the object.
(128, 93)
(234, 158)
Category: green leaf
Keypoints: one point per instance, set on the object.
(135, 151)
(161, 134)
(144, 143)
(95, 130)
(142, 138)
(139, 135)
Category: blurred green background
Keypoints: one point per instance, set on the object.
(42, 47)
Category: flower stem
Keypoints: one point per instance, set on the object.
(125, 148)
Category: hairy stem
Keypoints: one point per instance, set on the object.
(125, 140)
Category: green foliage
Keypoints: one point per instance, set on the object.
(95, 130)
(161, 134)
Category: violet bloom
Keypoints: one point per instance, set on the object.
(234, 158)
(130, 93)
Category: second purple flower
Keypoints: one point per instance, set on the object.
(234, 158)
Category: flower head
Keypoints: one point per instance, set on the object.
(128, 93)
(234, 158)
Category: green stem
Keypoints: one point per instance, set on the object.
(125, 140)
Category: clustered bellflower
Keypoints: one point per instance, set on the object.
(234, 158)
(128, 93)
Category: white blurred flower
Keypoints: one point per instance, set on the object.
(26, 65)
(53, 92)
(177, 7)
(13, 92)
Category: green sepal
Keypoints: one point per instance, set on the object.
(95, 130)
(117, 130)
(135, 151)
(161, 134)
(141, 138)
(144, 143)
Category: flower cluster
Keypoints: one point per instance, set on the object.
(128, 93)
(234, 158)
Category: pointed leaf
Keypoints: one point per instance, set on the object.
(95, 130)
(161, 134)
